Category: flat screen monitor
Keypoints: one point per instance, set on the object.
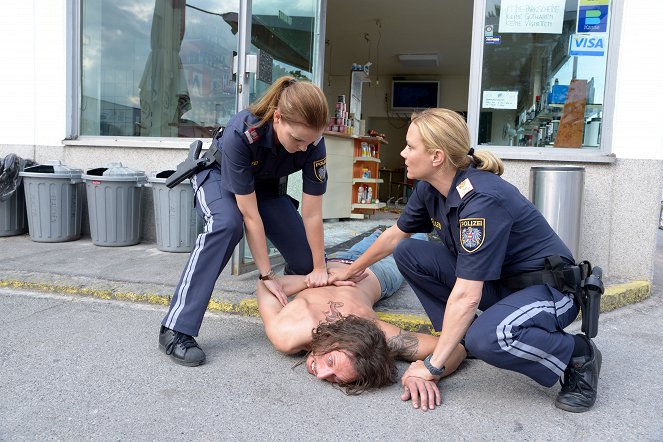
(413, 95)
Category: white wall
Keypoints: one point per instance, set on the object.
(18, 74)
(638, 131)
(33, 76)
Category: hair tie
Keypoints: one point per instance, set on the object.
(471, 152)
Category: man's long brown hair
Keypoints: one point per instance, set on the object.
(366, 346)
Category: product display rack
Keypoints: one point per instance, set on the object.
(366, 175)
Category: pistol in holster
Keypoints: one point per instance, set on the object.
(588, 296)
(194, 163)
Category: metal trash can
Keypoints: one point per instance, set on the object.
(177, 223)
(54, 199)
(557, 191)
(13, 217)
(114, 204)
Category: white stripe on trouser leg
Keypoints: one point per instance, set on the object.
(193, 261)
(525, 351)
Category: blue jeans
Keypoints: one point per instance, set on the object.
(385, 269)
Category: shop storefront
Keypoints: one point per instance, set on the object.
(567, 82)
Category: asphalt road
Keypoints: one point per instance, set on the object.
(76, 368)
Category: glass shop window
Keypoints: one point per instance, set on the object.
(543, 77)
(164, 68)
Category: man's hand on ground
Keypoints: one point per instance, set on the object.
(274, 286)
(422, 392)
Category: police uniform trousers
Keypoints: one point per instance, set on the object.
(520, 331)
(224, 228)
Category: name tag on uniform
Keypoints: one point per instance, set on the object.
(464, 188)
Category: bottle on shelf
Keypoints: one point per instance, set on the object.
(360, 194)
(369, 195)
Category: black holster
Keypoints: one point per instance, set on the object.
(580, 280)
(193, 164)
(589, 296)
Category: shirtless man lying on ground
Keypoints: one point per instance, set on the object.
(347, 343)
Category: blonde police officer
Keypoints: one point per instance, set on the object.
(278, 135)
(491, 235)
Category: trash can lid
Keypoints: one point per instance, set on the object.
(161, 177)
(118, 170)
(52, 169)
(115, 172)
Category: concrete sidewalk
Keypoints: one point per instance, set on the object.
(144, 274)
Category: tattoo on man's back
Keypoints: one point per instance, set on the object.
(404, 345)
(333, 314)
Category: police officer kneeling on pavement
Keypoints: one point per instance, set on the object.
(503, 283)
(241, 182)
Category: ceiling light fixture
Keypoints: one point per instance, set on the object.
(418, 60)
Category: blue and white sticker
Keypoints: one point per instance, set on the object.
(587, 45)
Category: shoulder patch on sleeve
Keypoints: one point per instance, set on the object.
(251, 135)
(320, 169)
(464, 188)
(472, 233)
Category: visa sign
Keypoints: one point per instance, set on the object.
(587, 44)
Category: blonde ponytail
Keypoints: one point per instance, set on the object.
(447, 130)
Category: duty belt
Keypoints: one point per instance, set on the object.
(556, 273)
(580, 280)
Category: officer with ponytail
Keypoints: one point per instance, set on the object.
(244, 189)
(502, 283)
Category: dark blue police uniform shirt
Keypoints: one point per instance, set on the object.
(252, 156)
(492, 228)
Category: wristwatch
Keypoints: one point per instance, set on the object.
(269, 276)
(431, 368)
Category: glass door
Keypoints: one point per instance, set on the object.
(275, 38)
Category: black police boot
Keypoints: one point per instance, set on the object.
(181, 348)
(580, 381)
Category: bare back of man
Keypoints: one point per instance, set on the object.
(290, 327)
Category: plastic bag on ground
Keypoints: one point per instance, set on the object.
(10, 166)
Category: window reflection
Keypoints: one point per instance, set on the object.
(543, 80)
(156, 68)
(163, 68)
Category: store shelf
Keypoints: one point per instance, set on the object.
(369, 206)
(367, 180)
(555, 113)
(366, 165)
(367, 159)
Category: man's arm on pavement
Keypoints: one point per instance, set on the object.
(411, 346)
(458, 315)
